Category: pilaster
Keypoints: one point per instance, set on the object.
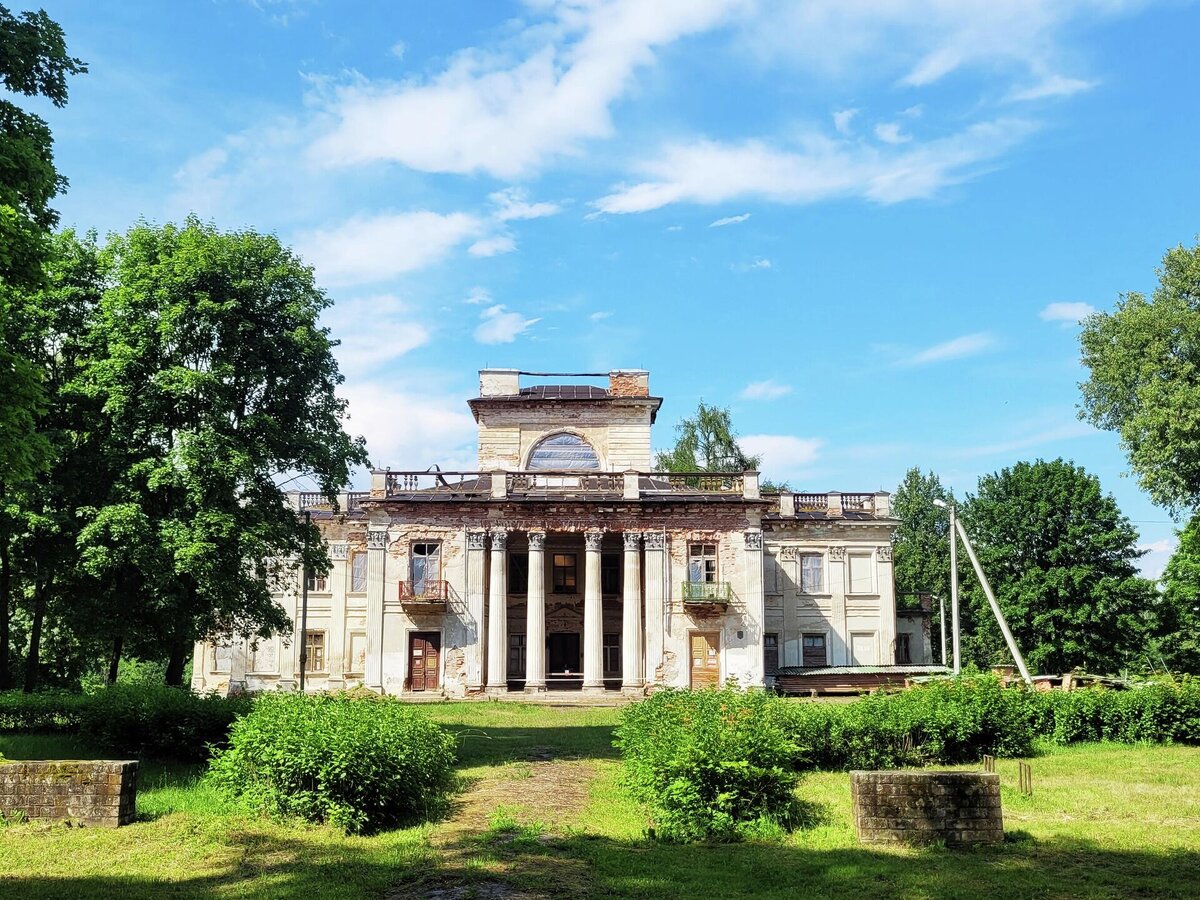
(476, 645)
(656, 598)
(376, 559)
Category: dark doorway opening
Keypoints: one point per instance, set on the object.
(565, 659)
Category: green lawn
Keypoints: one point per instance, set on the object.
(541, 814)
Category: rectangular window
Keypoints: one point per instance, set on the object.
(516, 656)
(612, 655)
(702, 563)
(518, 573)
(610, 574)
(771, 654)
(862, 573)
(814, 650)
(358, 573)
(812, 573)
(564, 573)
(426, 569)
(903, 649)
(318, 584)
(314, 651)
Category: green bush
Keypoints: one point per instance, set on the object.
(361, 765)
(158, 721)
(1158, 712)
(713, 764)
(43, 711)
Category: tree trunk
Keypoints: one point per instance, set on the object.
(5, 611)
(179, 653)
(114, 663)
(32, 661)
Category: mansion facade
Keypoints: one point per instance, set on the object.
(566, 562)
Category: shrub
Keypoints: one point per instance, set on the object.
(361, 765)
(159, 721)
(1160, 711)
(711, 764)
(43, 711)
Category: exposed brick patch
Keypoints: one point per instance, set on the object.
(629, 384)
(926, 807)
(90, 792)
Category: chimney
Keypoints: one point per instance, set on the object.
(629, 383)
(499, 383)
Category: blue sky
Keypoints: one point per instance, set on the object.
(867, 227)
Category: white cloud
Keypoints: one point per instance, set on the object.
(819, 169)
(1052, 86)
(492, 246)
(507, 110)
(842, 120)
(478, 295)
(600, 316)
(398, 49)
(1066, 313)
(408, 427)
(784, 456)
(729, 220)
(370, 248)
(373, 331)
(761, 263)
(1158, 554)
(890, 133)
(501, 327)
(513, 203)
(674, 228)
(765, 390)
(957, 348)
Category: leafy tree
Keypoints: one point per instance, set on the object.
(1179, 644)
(706, 442)
(922, 546)
(214, 376)
(33, 62)
(1144, 362)
(1061, 558)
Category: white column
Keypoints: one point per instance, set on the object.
(497, 660)
(755, 614)
(656, 594)
(593, 615)
(376, 554)
(198, 666)
(887, 606)
(339, 576)
(839, 649)
(476, 604)
(535, 615)
(631, 615)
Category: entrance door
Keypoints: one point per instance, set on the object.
(565, 661)
(706, 658)
(862, 649)
(424, 648)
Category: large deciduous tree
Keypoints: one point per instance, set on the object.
(922, 547)
(706, 442)
(1144, 382)
(1062, 560)
(214, 377)
(1179, 611)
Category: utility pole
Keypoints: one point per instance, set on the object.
(304, 601)
(954, 625)
(942, 625)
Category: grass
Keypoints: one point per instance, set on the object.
(542, 814)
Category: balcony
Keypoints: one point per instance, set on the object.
(706, 598)
(427, 597)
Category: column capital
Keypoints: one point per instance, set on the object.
(656, 540)
(885, 553)
(377, 539)
(754, 540)
(837, 554)
(537, 540)
(633, 540)
(499, 540)
(476, 540)
(339, 550)
(593, 540)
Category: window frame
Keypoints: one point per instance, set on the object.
(518, 574)
(353, 562)
(318, 584)
(768, 669)
(611, 574)
(822, 573)
(610, 647)
(904, 640)
(412, 558)
(556, 567)
(309, 667)
(518, 644)
(824, 636)
(705, 559)
(532, 466)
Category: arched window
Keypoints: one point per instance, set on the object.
(563, 451)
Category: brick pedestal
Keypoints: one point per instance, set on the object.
(926, 807)
(89, 792)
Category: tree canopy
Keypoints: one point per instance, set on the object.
(706, 442)
(1179, 642)
(1144, 381)
(922, 548)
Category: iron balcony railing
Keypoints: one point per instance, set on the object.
(425, 592)
(707, 592)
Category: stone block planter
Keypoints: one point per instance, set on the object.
(916, 807)
(86, 792)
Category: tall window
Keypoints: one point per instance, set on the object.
(771, 654)
(563, 451)
(702, 563)
(314, 650)
(862, 573)
(318, 584)
(426, 568)
(565, 573)
(610, 574)
(612, 654)
(812, 573)
(814, 650)
(358, 573)
(518, 573)
(516, 656)
(903, 649)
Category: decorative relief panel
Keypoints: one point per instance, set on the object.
(476, 540)
(837, 554)
(754, 540)
(656, 540)
(885, 553)
(377, 540)
(633, 540)
(339, 550)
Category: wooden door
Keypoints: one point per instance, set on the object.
(424, 649)
(706, 659)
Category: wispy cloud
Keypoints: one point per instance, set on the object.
(478, 295)
(765, 390)
(600, 315)
(1157, 555)
(784, 455)
(757, 264)
(1066, 313)
(843, 119)
(373, 331)
(729, 220)
(499, 326)
(956, 348)
(1051, 87)
(493, 246)
(513, 203)
(890, 133)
